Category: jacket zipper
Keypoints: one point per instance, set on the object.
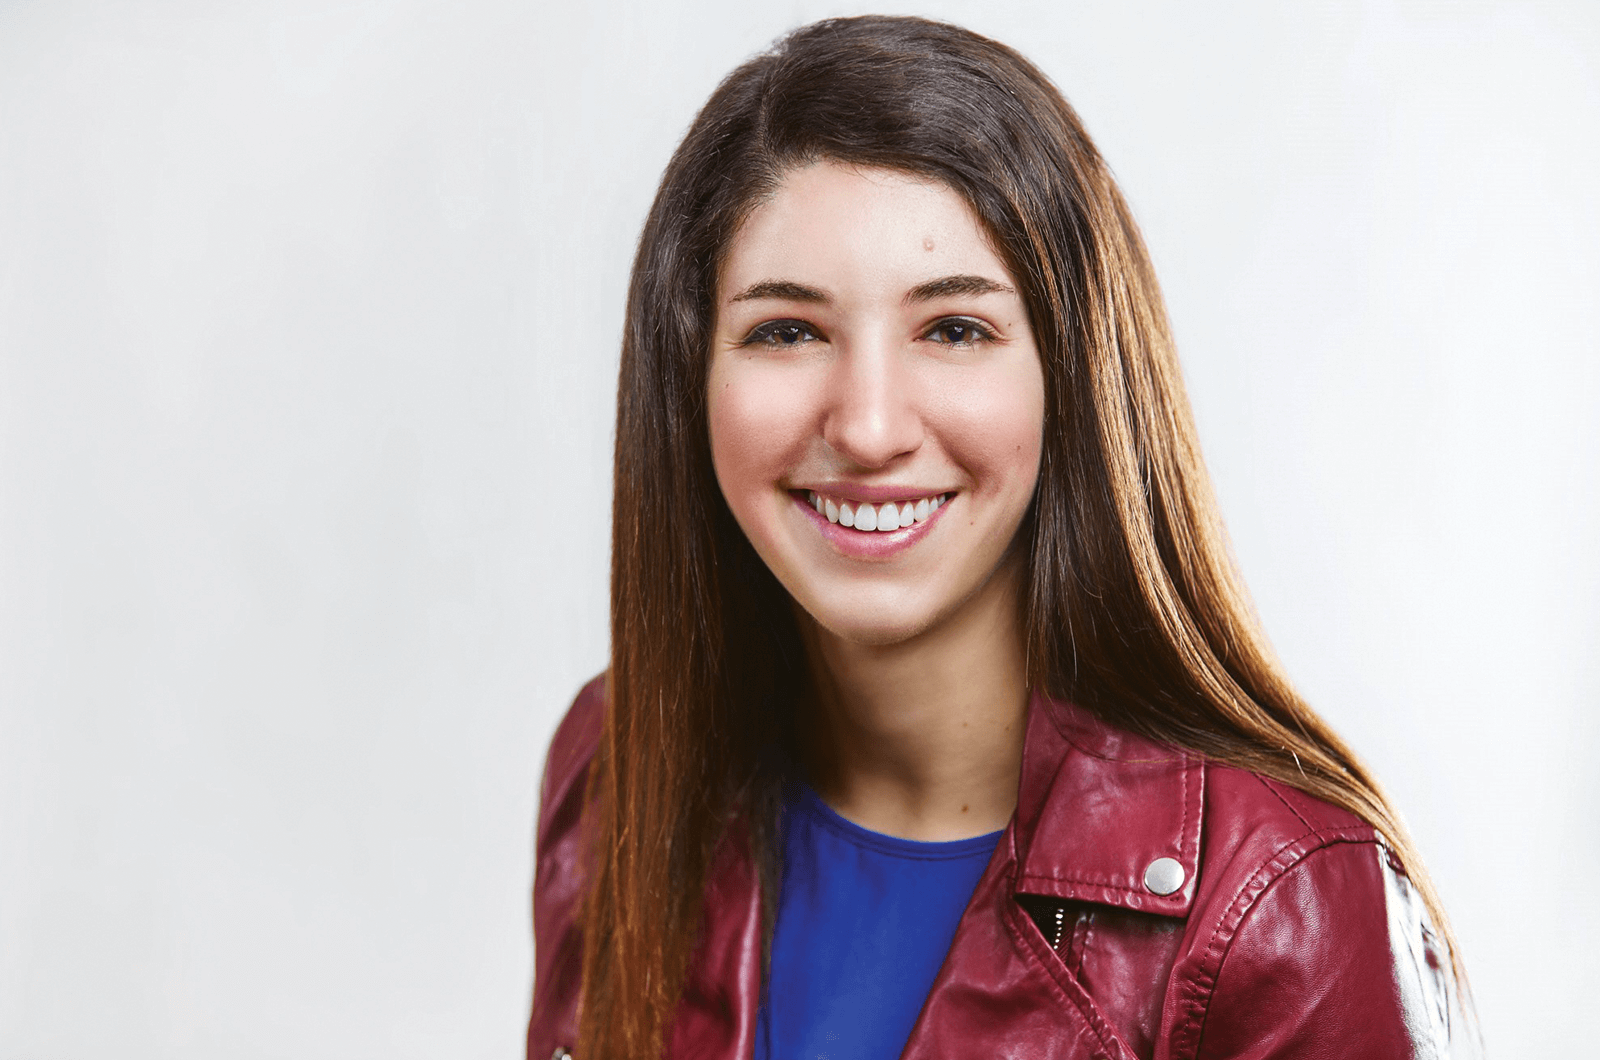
(1058, 928)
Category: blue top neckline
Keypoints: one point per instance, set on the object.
(806, 799)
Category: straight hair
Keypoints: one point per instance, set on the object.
(1131, 608)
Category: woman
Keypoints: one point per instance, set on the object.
(937, 722)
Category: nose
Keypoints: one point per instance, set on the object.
(872, 415)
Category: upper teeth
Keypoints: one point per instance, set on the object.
(891, 515)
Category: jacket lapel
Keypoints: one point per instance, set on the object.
(716, 1015)
(1002, 993)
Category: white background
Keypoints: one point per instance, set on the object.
(308, 333)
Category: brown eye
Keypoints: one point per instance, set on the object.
(959, 331)
(780, 333)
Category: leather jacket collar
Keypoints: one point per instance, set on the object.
(1117, 803)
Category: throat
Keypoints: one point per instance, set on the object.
(919, 741)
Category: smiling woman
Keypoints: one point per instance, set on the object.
(937, 720)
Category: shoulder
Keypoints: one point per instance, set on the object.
(1305, 938)
(561, 871)
(1260, 832)
(561, 851)
(572, 748)
(1220, 912)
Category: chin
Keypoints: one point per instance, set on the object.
(876, 635)
(880, 624)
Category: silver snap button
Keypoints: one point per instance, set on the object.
(560, 1054)
(1163, 876)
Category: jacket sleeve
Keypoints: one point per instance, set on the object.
(561, 868)
(1332, 958)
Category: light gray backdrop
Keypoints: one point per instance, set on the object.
(308, 327)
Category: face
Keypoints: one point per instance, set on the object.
(876, 401)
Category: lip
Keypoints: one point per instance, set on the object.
(851, 491)
(870, 544)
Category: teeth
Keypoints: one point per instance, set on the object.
(891, 515)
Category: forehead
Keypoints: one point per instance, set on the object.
(854, 229)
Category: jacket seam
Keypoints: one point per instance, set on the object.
(1183, 799)
(1202, 985)
(1279, 796)
(1097, 881)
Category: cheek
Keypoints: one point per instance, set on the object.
(995, 425)
(757, 428)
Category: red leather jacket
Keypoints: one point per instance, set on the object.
(1143, 902)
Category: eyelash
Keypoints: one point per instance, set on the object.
(767, 334)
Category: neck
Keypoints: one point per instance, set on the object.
(923, 739)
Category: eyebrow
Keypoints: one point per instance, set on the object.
(786, 290)
(953, 285)
(943, 287)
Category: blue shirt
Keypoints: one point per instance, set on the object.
(864, 922)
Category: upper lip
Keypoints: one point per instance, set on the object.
(853, 491)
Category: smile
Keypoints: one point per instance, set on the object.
(866, 517)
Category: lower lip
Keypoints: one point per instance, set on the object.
(869, 544)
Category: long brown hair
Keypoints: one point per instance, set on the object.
(1132, 606)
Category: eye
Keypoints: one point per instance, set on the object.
(780, 333)
(959, 331)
